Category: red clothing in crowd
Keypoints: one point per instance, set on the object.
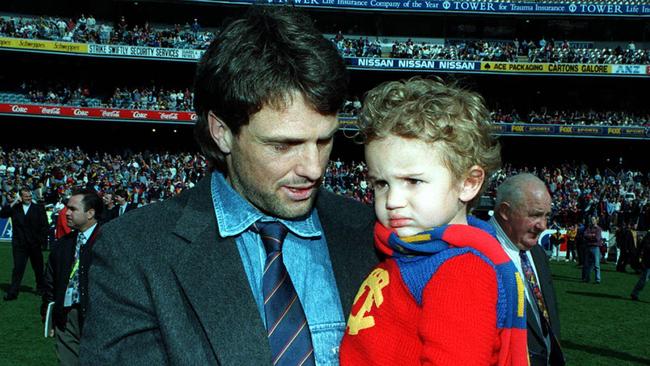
(62, 229)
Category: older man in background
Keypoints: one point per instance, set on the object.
(521, 212)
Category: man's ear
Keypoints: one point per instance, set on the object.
(471, 185)
(220, 133)
(503, 211)
(90, 213)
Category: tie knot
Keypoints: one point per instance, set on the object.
(272, 234)
(522, 254)
(81, 238)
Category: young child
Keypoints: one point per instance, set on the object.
(446, 294)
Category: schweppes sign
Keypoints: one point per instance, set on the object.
(42, 45)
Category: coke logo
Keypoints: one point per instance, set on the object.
(18, 109)
(79, 112)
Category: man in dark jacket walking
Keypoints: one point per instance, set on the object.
(30, 225)
(645, 262)
(66, 275)
(625, 242)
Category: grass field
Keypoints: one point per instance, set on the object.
(21, 330)
(600, 325)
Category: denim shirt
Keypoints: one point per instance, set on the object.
(306, 257)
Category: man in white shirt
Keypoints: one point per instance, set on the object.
(522, 209)
(66, 274)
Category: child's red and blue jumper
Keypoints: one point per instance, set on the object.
(448, 296)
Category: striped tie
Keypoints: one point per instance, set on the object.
(286, 322)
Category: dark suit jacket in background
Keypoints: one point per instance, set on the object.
(27, 230)
(57, 275)
(29, 236)
(116, 209)
(536, 343)
(166, 289)
(108, 215)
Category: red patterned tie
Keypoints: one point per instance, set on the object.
(534, 288)
(288, 331)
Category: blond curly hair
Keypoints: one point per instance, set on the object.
(434, 111)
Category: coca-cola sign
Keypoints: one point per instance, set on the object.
(172, 116)
(18, 109)
(111, 114)
(52, 110)
(80, 112)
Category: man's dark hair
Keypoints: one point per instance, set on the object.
(121, 193)
(90, 200)
(261, 60)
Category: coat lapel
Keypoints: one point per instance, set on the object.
(533, 325)
(548, 292)
(342, 262)
(69, 247)
(86, 249)
(20, 214)
(211, 274)
(350, 247)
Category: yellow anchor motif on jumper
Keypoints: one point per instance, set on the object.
(375, 282)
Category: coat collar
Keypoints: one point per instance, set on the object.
(349, 241)
(543, 276)
(223, 303)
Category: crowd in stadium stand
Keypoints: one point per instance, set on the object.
(564, 53)
(578, 192)
(56, 93)
(83, 29)
(88, 30)
(500, 51)
(361, 47)
(348, 179)
(158, 98)
(152, 98)
(457, 50)
(52, 174)
(191, 36)
(615, 196)
(187, 36)
(575, 118)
